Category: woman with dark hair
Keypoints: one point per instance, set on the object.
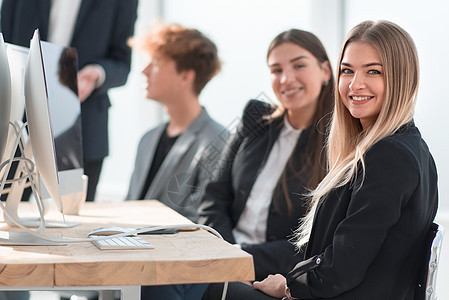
(275, 156)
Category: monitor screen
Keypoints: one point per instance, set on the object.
(60, 64)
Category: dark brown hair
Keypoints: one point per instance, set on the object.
(67, 69)
(313, 160)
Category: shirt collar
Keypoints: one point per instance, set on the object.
(288, 130)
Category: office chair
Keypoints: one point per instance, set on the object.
(425, 289)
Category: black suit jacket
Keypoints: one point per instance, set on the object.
(369, 234)
(226, 195)
(100, 37)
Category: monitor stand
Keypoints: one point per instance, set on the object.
(24, 173)
(13, 201)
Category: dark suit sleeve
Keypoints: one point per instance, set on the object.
(118, 60)
(215, 208)
(218, 207)
(207, 162)
(273, 257)
(391, 176)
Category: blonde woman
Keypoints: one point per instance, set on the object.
(370, 214)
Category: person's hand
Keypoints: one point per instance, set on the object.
(274, 286)
(87, 80)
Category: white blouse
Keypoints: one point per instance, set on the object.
(252, 225)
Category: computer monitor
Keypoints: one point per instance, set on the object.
(17, 58)
(61, 68)
(5, 97)
(38, 119)
(56, 143)
(50, 88)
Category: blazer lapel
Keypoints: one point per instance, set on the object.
(258, 157)
(85, 7)
(147, 159)
(273, 133)
(171, 162)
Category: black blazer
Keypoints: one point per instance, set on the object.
(226, 195)
(100, 36)
(369, 234)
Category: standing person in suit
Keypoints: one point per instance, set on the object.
(99, 30)
(174, 160)
(370, 215)
(256, 199)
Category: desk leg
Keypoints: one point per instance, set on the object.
(107, 295)
(131, 292)
(126, 293)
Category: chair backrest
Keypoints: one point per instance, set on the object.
(433, 264)
(428, 271)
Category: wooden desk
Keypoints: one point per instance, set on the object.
(185, 257)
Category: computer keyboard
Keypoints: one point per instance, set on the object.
(123, 242)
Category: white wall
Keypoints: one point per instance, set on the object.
(242, 31)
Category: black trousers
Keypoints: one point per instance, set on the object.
(92, 169)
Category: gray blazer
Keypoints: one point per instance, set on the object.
(187, 168)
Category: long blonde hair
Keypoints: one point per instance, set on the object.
(347, 141)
